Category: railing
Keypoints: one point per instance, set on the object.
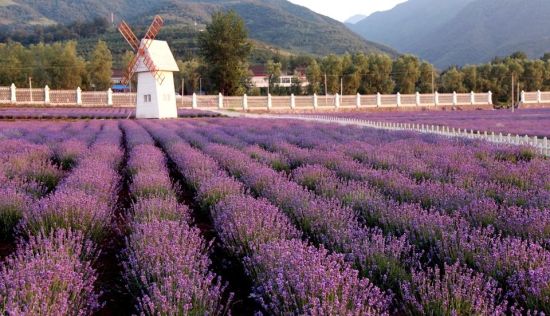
(541, 145)
(537, 97)
(17, 96)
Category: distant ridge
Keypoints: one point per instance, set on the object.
(275, 22)
(449, 32)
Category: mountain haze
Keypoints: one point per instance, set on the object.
(274, 22)
(449, 32)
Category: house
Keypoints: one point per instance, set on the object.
(260, 77)
(116, 80)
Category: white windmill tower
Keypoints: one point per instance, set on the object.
(154, 65)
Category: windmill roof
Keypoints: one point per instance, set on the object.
(161, 55)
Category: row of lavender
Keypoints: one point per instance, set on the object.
(493, 221)
(86, 113)
(290, 276)
(64, 211)
(166, 263)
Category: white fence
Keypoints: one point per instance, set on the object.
(541, 145)
(45, 96)
(537, 97)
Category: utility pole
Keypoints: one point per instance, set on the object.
(513, 104)
(326, 90)
(433, 82)
(342, 86)
(200, 85)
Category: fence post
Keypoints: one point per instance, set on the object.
(490, 97)
(358, 100)
(78, 96)
(398, 99)
(13, 97)
(378, 100)
(315, 101)
(292, 101)
(545, 145)
(472, 98)
(522, 97)
(337, 101)
(269, 101)
(220, 100)
(194, 101)
(455, 98)
(539, 96)
(46, 95)
(417, 98)
(109, 97)
(245, 102)
(436, 98)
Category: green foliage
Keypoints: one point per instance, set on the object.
(314, 77)
(190, 73)
(225, 48)
(406, 71)
(100, 67)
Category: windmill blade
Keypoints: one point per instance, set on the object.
(128, 35)
(154, 28)
(147, 62)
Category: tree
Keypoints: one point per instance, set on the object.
(452, 80)
(426, 78)
(273, 72)
(65, 68)
(379, 75)
(533, 75)
(126, 59)
(470, 78)
(225, 48)
(190, 72)
(332, 68)
(314, 77)
(406, 70)
(100, 67)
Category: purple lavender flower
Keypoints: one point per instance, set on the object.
(294, 278)
(244, 223)
(167, 267)
(160, 209)
(70, 209)
(50, 275)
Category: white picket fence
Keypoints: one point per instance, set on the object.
(45, 96)
(541, 145)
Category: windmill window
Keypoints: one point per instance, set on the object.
(147, 98)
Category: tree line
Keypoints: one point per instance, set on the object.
(56, 65)
(222, 65)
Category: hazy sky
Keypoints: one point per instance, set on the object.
(343, 9)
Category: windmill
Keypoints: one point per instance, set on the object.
(154, 65)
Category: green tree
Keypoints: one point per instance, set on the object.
(452, 80)
(65, 68)
(379, 75)
(225, 48)
(406, 71)
(426, 79)
(332, 68)
(273, 73)
(533, 75)
(314, 77)
(470, 78)
(190, 73)
(100, 67)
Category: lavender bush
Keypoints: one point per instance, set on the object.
(167, 268)
(295, 278)
(453, 291)
(50, 275)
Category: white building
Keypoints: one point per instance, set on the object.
(156, 99)
(260, 78)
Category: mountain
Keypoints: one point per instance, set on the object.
(273, 22)
(355, 19)
(459, 32)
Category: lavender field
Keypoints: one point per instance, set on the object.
(533, 122)
(216, 216)
(46, 113)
